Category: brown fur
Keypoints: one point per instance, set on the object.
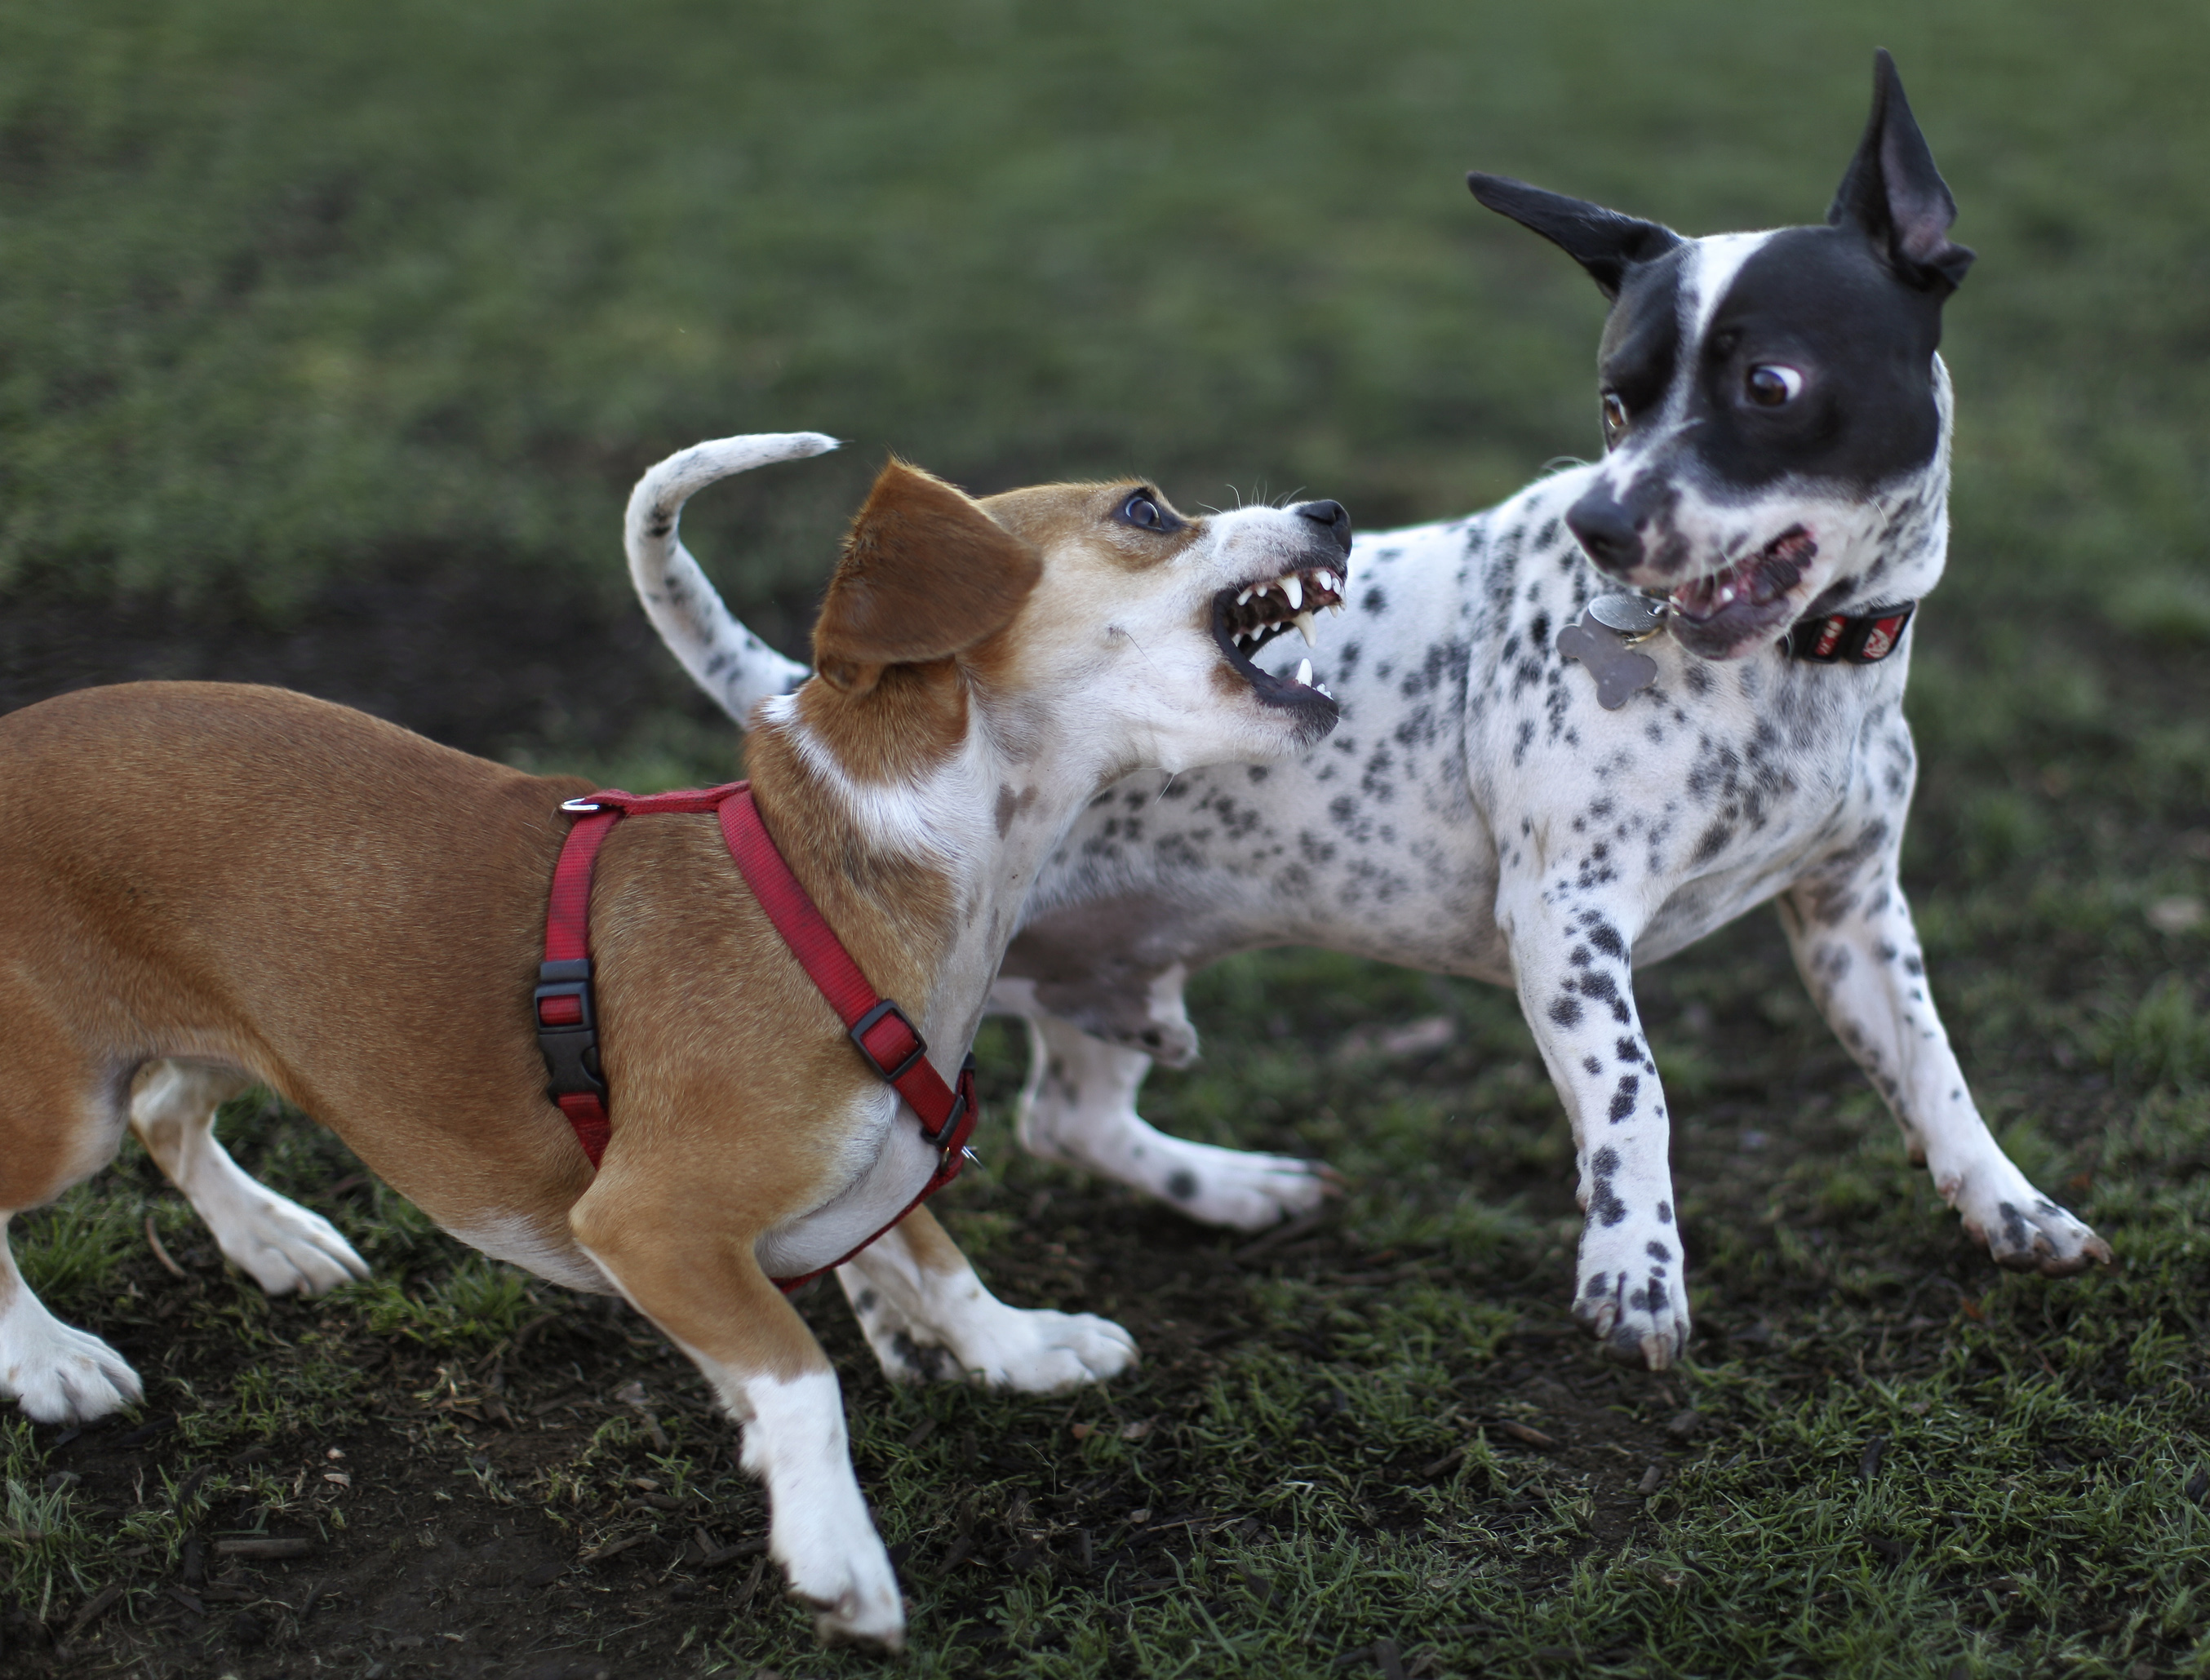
(881, 609)
(267, 885)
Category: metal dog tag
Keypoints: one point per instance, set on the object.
(1632, 616)
(1610, 655)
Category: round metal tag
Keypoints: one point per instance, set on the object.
(1630, 614)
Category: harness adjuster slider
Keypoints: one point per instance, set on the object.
(567, 1018)
(875, 1017)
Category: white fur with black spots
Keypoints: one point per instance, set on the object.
(1778, 422)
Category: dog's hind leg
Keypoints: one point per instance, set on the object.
(1852, 933)
(284, 1246)
(58, 1125)
(56, 1373)
(1078, 1107)
(927, 1316)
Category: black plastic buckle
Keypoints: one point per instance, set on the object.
(859, 1037)
(570, 1051)
(963, 1099)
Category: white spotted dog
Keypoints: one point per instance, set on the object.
(1592, 724)
(356, 917)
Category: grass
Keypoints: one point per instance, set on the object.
(296, 296)
(293, 291)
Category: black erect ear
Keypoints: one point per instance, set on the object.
(1601, 241)
(1894, 195)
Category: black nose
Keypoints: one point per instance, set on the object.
(1330, 515)
(1606, 531)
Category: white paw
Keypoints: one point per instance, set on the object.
(59, 1375)
(1633, 1292)
(1042, 1352)
(2023, 1229)
(288, 1248)
(1243, 1192)
(851, 1586)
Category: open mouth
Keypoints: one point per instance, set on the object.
(1245, 617)
(1717, 614)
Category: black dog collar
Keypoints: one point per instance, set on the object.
(1864, 638)
(1610, 631)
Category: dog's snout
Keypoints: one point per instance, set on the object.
(1607, 532)
(1331, 515)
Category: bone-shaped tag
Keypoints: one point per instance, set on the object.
(1619, 669)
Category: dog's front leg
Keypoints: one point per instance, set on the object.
(1851, 930)
(1571, 955)
(928, 1317)
(674, 1251)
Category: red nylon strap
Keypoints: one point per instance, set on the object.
(568, 919)
(566, 1014)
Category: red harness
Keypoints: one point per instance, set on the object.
(567, 1013)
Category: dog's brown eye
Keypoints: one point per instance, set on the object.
(1140, 510)
(1770, 386)
(1615, 417)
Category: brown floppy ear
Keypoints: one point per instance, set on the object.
(925, 573)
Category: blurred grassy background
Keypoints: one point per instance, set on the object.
(297, 291)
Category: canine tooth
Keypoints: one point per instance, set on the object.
(1245, 596)
(1305, 628)
(1304, 673)
(1294, 590)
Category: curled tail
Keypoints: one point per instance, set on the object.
(723, 658)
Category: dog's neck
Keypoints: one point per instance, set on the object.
(1905, 545)
(918, 819)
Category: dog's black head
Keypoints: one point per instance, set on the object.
(1775, 412)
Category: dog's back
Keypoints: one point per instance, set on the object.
(159, 820)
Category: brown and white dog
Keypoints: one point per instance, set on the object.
(206, 885)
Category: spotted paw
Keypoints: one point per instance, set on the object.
(1040, 1352)
(1635, 1301)
(1240, 1191)
(286, 1248)
(2023, 1229)
(59, 1375)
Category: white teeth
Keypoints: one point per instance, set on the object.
(1294, 590)
(1304, 673)
(1304, 629)
(1321, 688)
(1245, 596)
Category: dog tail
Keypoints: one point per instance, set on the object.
(723, 658)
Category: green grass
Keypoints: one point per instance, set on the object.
(291, 294)
(296, 289)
